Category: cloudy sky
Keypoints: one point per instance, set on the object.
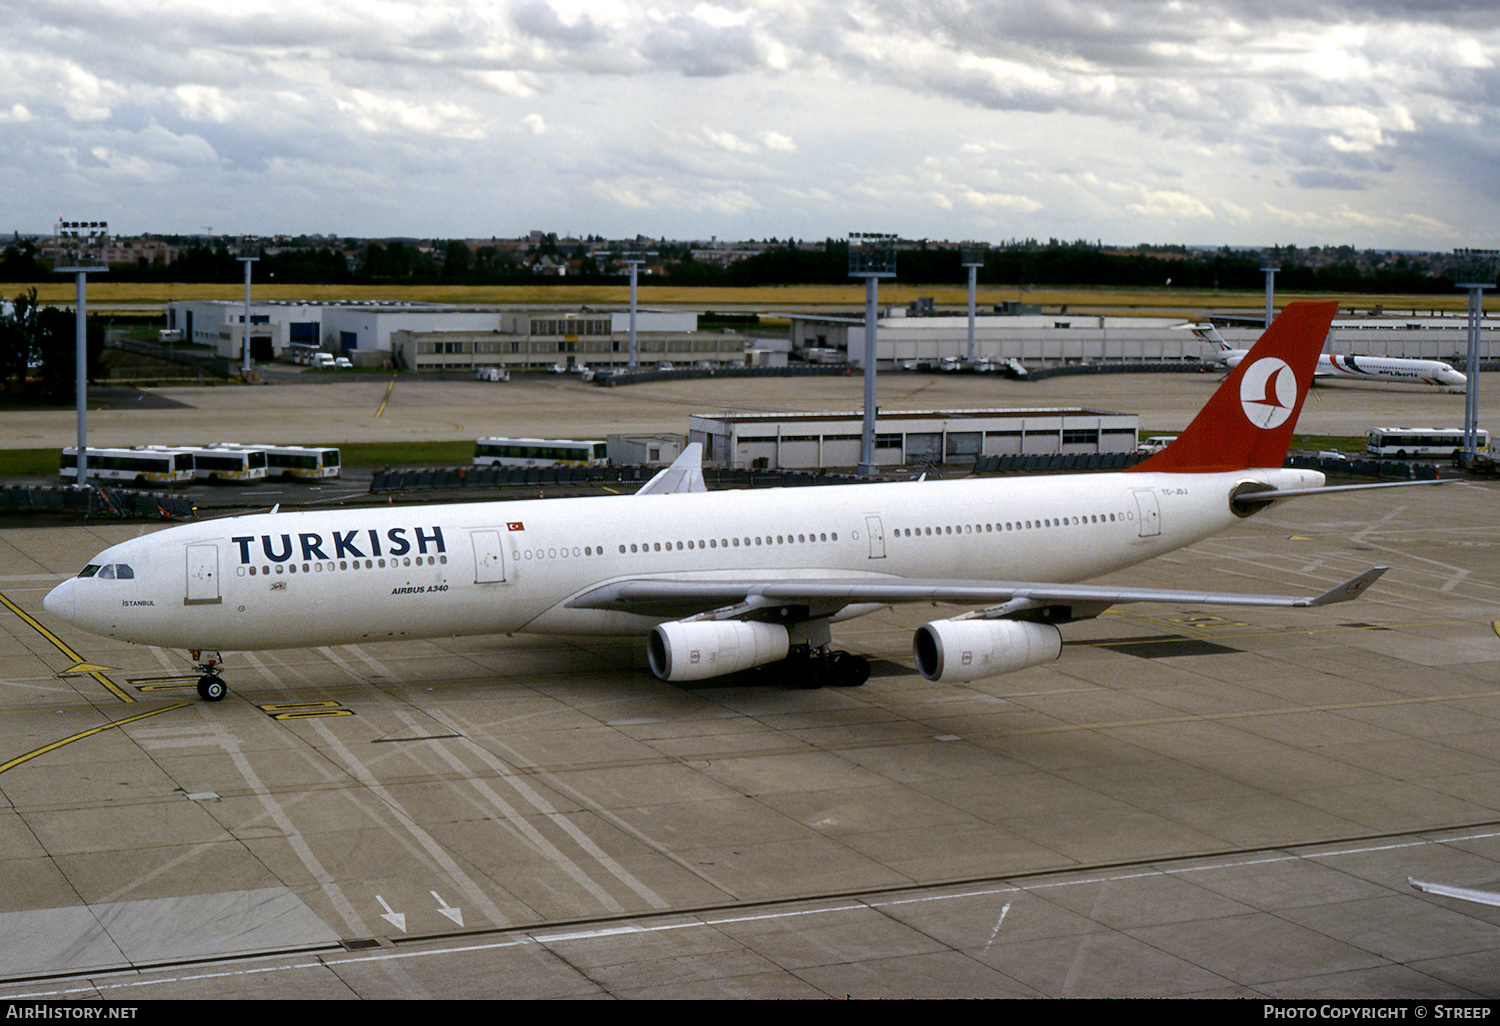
(1246, 122)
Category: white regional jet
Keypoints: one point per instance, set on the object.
(724, 581)
(1363, 368)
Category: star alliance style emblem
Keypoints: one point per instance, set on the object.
(1268, 391)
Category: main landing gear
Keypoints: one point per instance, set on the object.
(211, 686)
(816, 668)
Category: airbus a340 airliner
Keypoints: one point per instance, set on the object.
(724, 581)
(1397, 369)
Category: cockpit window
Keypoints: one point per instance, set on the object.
(109, 571)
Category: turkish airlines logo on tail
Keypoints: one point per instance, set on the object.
(1268, 391)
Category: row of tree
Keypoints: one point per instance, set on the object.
(1074, 264)
(1027, 262)
(38, 347)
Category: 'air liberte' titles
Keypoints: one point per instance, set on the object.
(280, 548)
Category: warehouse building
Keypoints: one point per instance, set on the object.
(643, 450)
(807, 441)
(913, 342)
(1034, 340)
(434, 336)
(534, 339)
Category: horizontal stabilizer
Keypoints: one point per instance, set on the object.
(1294, 493)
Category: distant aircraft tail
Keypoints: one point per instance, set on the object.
(1218, 350)
(1206, 331)
(1248, 422)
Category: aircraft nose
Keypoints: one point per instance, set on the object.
(60, 600)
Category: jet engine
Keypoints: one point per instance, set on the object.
(959, 650)
(700, 649)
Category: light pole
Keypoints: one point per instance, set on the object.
(633, 259)
(81, 248)
(871, 257)
(1270, 273)
(973, 256)
(1475, 272)
(247, 246)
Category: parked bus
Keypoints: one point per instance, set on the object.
(303, 462)
(226, 464)
(140, 466)
(1388, 441)
(538, 452)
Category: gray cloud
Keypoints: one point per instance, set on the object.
(760, 117)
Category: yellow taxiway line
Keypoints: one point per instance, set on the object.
(79, 666)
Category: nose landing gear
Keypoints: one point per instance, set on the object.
(211, 686)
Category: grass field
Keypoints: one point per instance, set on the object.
(104, 293)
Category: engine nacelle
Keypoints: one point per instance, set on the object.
(959, 650)
(699, 649)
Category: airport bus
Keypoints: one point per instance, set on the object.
(301, 462)
(1401, 441)
(228, 464)
(538, 452)
(139, 466)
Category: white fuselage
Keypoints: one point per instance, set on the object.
(1376, 368)
(280, 580)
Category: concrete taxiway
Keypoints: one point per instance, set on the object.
(1190, 802)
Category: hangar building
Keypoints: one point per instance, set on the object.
(433, 336)
(805, 441)
(1051, 339)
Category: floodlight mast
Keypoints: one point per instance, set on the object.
(871, 257)
(633, 259)
(973, 256)
(248, 245)
(1475, 272)
(1270, 273)
(81, 248)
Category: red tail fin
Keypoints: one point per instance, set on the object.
(1248, 422)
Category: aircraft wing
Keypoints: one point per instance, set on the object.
(678, 598)
(1462, 893)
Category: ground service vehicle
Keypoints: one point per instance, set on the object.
(1405, 441)
(302, 462)
(228, 464)
(538, 452)
(138, 466)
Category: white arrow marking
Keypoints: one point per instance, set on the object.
(396, 919)
(996, 931)
(448, 910)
